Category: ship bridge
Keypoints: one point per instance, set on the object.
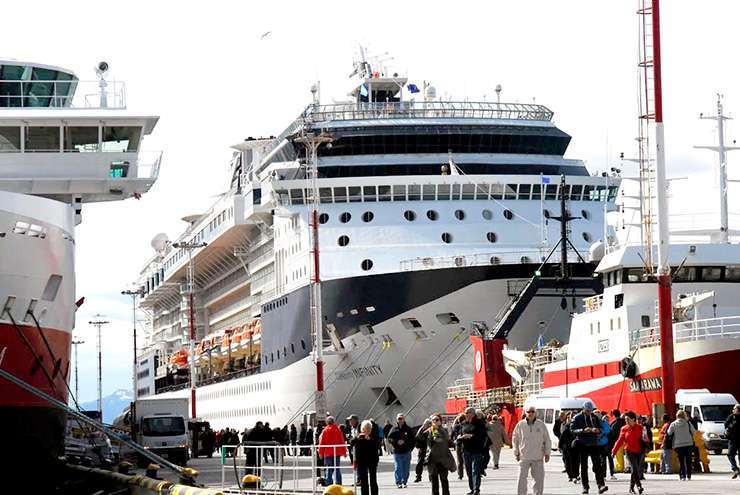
(71, 140)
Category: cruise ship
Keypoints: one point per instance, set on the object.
(63, 143)
(431, 215)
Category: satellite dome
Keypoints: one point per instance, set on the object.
(596, 251)
(430, 93)
(159, 242)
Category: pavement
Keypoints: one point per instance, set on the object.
(502, 481)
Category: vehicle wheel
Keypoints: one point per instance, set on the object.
(717, 451)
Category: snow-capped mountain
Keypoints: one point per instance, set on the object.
(113, 404)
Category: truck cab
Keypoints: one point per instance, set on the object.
(710, 410)
(161, 427)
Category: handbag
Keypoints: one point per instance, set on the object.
(668, 441)
(451, 464)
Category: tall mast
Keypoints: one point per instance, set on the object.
(723, 181)
(650, 16)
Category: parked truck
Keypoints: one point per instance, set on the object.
(160, 425)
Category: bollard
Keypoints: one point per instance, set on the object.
(338, 490)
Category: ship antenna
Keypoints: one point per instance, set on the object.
(722, 150)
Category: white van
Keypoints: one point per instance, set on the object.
(711, 410)
(548, 409)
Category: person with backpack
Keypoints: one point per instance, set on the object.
(682, 432)
(632, 436)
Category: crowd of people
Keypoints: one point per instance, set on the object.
(472, 444)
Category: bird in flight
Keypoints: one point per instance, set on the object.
(265, 35)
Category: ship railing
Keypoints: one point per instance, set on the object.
(147, 164)
(472, 259)
(62, 94)
(689, 331)
(251, 370)
(426, 110)
(285, 469)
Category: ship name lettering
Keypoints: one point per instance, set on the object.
(646, 384)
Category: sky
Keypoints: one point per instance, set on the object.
(207, 70)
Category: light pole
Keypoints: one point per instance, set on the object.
(98, 324)
(77, 378)
(191, 312)
(133, 294)
(312, 141)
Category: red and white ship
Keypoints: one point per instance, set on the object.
(62, 144)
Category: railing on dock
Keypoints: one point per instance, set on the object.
(282, 469)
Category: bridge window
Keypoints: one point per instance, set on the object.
(370, 193)
(536, 192)
(685, 274)
(354, 194)
(468, 191)
(81, 139)
(399, 193)
(42, 139)
(711, 273)
(732, 273)
(10, 139)
(121, 139)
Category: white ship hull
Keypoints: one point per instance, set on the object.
(415, 370)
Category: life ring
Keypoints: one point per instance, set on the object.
(628, 367)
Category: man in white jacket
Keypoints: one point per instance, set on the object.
(531, 443)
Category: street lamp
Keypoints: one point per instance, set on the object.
(133, 294)
(77, 379)
(98, 323)
(191, 312)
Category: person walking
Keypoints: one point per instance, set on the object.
(616, 425)
(456, 432)
(531, 443)
(571, 458)
(682, 432)
(387, 427)
(586, 427)
(421, 448)
(603, 441)
(666, 452)
(473, 437)
(732, 430)
(293, 439)
(498, 438)
(439, 459)
(365, 448)
(331, 450)
(632, 436)
(402, 440)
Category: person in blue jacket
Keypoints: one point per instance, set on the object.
(603, 441)
(587, 428)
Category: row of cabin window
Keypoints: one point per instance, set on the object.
(201, 235)
(443, 192)
(271, 358)
(237, 391)
(729, 273)
(69, 139)
(247, 411)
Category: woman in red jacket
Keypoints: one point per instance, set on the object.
(632, 436)
(332, 448)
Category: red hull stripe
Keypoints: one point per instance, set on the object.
(715, 372)
(581, 373)
(20, 362)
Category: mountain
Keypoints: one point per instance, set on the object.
(113, 404)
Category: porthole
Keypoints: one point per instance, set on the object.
(585, 214)
(345, 217)
(546, 213)
(495, 260)
(586, 236)
(446, 237)
(303, 344)
(285, 352)
(432, 215)
(368, 216)
(409, 215)
(524, 259)
(491, 236)
(460, 214)
(366, 264)
(343, 240)
(508, 214)
(292, 348)
(323, 218)
(487, 214)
